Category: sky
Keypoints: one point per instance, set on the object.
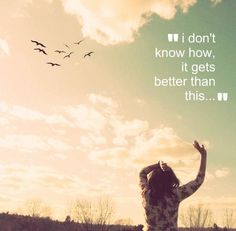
(86, 128)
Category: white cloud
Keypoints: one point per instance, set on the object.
(126, 129)
(55, 180)
(101, 99)
(120, 141)
(86, 142)
(86, 117)
(117, 157)
(148, 147)
(60, 156)
(216, 2)
(164, 144)
(97, 139)
(4, 121)
(57, 119)
(27, 143)
(112, 22)
(19, 176)
(24, 113)
(222, 172)
(129, 128)
(4, 47)
(59, 145)
(32, 143)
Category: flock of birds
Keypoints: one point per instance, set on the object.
(40, 47)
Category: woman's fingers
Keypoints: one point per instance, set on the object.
(199, 147)
(196, 144)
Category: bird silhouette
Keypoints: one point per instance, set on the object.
(40, 50)
(38, 43)
(68, 56)
(53, 64)
(88, 54)
(67, 46)
(79, 42)
(59, 51)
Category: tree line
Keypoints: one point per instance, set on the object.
(98, 215)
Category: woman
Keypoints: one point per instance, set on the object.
(162, 194)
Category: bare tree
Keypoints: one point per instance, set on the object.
(105, 212)
(229, 218)
(93, 214)
(196, 217)
(36, 208)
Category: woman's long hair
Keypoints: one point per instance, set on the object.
(161, 183)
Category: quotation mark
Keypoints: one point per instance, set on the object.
(222, 96)
(173, 37)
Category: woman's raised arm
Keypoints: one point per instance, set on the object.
(202, 168)
(143, 174)
(189, 188)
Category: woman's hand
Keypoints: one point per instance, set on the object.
(201, 149)
(164, 167)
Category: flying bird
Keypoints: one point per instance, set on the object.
(68, 56)
(88, 54)
(53, 64)
(38, 43)
(59, 51)
(67, 46)
(79, 42)
(40, 50)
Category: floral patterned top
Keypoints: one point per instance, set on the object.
(164, 216)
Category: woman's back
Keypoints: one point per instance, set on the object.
(162, 216)
(161, 210)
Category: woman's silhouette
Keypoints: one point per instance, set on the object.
(162, 194)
